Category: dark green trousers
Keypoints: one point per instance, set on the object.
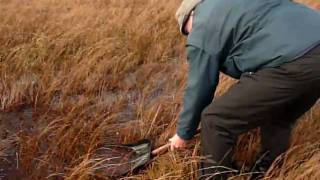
(272, 99)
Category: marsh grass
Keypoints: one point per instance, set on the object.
(110, 71)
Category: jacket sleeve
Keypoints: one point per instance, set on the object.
(203, 78)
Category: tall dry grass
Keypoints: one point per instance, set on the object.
(108, 71)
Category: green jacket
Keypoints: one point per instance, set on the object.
(237, 36)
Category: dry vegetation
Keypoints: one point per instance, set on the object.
(75, 75)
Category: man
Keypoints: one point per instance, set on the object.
(272, 47)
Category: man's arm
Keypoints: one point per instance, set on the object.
(202, 81)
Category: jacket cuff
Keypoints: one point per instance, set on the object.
(184, 136)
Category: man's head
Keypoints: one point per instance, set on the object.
(184, 13)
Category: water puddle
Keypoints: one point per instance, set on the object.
(11, 125)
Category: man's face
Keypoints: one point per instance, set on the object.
(188, 26)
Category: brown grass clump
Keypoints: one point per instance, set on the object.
(76, 75)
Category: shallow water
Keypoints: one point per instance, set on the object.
(11, 124)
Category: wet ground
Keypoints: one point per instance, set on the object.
(9, 169)
(12, 124)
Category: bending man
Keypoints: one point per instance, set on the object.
(273, 48)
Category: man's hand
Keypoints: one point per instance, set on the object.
(177, 143)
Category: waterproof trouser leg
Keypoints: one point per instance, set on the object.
(272, 99)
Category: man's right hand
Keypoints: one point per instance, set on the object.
(177, 143)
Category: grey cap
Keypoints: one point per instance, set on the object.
(184, 11)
